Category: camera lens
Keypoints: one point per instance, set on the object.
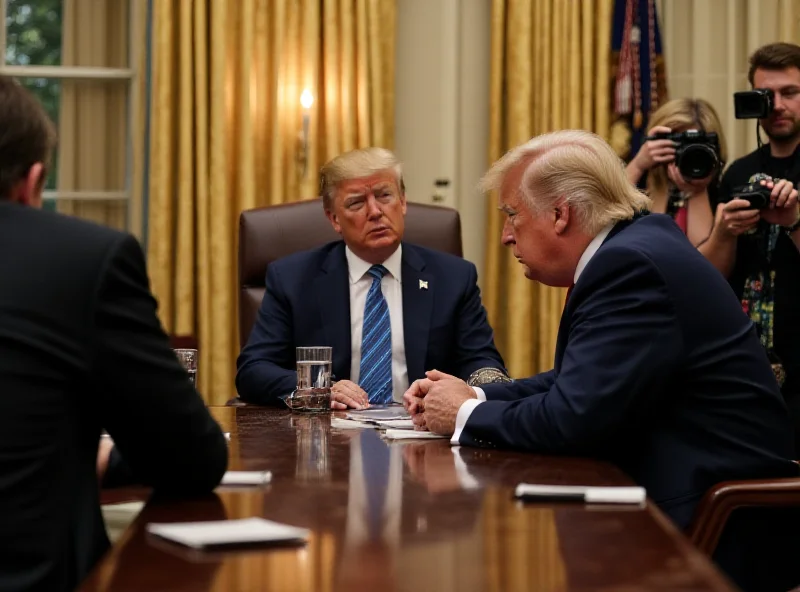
(696, 161)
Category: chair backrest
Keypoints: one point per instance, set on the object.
(267, 234)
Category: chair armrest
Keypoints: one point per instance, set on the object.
(721, 500)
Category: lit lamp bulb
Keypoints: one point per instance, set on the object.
(306, 99)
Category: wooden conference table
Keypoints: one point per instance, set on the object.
(445, 520)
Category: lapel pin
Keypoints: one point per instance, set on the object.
(423, 285)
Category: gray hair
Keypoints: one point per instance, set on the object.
(574, 165)
(356, 164)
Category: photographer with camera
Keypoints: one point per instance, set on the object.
(756, 233)
(683, 159)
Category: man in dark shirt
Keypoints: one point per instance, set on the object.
(758, 250)
(81, 350)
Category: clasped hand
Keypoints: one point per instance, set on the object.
(433, 402)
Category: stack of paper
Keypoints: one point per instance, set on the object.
(246, 478)
(410, 435)
(203, 535)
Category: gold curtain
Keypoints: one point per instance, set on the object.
(550, 70)
(226, 114)
(93, 115)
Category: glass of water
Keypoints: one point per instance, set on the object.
(313, 392)
(188, 359)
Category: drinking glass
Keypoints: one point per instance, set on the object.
(313, 392)
(188, 359)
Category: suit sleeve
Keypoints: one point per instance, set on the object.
(519, 389)
(475, 338)
(157, 420)
(624, 346)
(264, 368)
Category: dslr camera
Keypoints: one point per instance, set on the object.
(753, 104)
(753, 192)
(697, 154)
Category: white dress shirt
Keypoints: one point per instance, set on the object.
(391, 286)
(468, 406)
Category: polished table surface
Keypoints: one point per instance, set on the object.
(410, 515)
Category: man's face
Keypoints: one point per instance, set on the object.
(369, 213)
(784, 121)
(532, 237)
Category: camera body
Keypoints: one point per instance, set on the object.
(754, 193)
(753, 104)
(697, 154)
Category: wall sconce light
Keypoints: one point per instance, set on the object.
(306, 100)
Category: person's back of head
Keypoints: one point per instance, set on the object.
(27, 140)
(574, 167)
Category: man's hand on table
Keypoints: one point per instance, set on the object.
(433, 402)
(346, 394)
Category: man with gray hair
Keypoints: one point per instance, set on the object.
(656, 368)
(389, 309)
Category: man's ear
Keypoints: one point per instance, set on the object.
(561, 216)
(28, 190)
(334, 222)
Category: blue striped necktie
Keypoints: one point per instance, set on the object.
(375, 375)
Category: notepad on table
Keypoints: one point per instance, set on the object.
(217, 533)
(398, 424)
(410, 435)
(589, 495)
(246, 478)
(379, 413)
(349, 424)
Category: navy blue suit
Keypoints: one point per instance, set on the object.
(307, 303)
(657, 370)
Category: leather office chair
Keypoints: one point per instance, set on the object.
(267, 234)
(720, 501)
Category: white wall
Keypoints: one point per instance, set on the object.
(442, 106)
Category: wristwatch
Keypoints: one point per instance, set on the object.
(794, 226)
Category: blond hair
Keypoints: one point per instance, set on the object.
(682, 115)
(576, 166)
(356, 164)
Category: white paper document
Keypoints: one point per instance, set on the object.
(199, 535)
(589, 495)
(246, 478)
(379, 413)
(349, 424)
(410, 435)
(398, 424)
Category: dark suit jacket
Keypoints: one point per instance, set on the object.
(307, 303)
(656, 370)
(81, 349)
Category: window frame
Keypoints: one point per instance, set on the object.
(129, 74)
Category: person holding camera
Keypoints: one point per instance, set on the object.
(756, 235)
(682, 160)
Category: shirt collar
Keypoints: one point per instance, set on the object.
(358, 267)
(596, 243)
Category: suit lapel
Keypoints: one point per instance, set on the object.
(418, 291)
(332, 289)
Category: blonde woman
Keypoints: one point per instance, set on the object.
(687, 201)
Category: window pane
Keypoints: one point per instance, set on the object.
(34, 31)
(88, 33)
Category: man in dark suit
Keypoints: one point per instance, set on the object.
(656, 368)
(389, 309)
(81, 349)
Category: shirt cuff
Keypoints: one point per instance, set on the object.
(465, 479)
(466, 409)
(479, 392)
